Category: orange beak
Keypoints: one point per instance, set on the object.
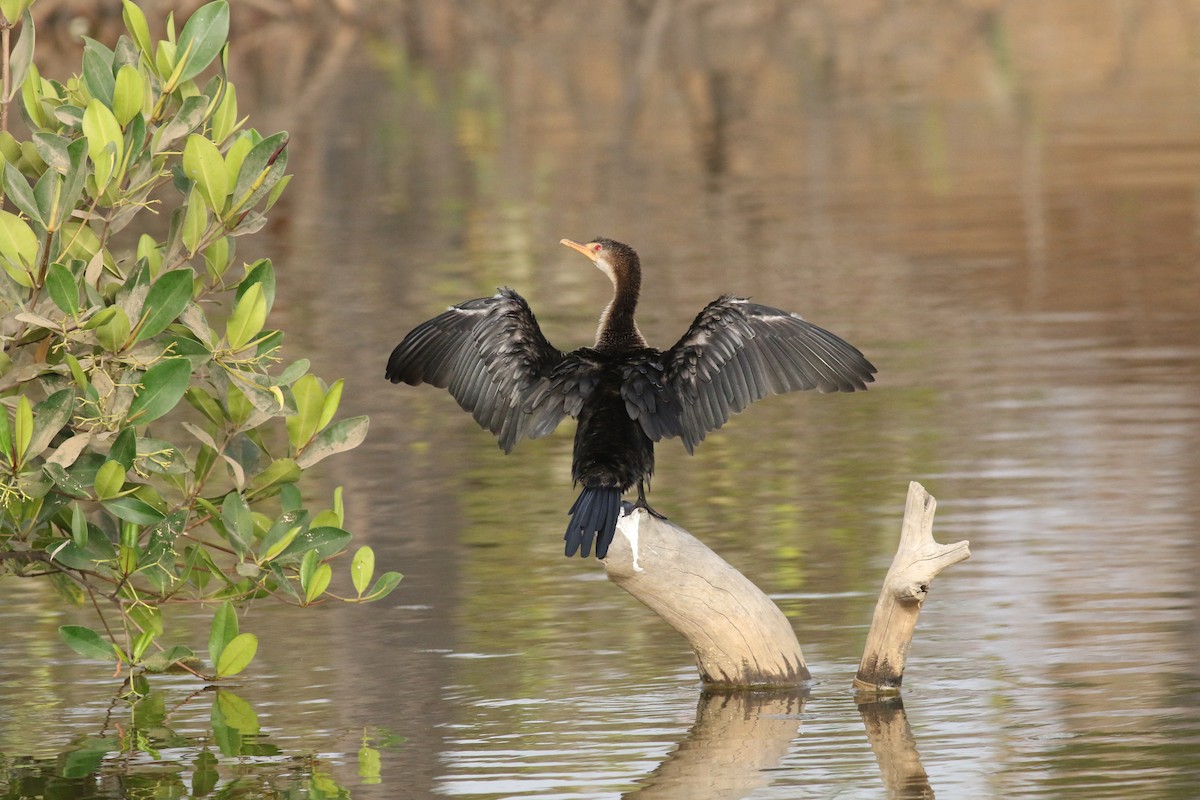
(586, 249)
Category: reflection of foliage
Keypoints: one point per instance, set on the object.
(143, 755)
(105, 334)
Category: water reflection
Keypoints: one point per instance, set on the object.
(895, 749)
(155, 745)
(738, 739)
(998, 200)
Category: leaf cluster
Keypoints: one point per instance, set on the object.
(142, 459)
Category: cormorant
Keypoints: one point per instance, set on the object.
(491, 354)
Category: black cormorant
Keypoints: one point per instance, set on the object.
(491, 354)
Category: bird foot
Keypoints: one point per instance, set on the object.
(641, 503)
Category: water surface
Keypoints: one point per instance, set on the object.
(998, 204)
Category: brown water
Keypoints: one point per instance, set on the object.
(999, 202)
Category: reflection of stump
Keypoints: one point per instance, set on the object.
(918, 559)
(895, 749)
(737, 739)
(739, 636)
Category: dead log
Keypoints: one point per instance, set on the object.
(739, 635)
(918, 559)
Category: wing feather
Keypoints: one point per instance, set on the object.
(734, 353)
(490, 354)
(563, 392)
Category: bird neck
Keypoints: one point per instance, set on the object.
(618, 330)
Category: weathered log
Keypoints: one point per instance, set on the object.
(918, 559)
(739, 635)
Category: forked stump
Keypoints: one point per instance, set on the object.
(918, 559)
(739, 635)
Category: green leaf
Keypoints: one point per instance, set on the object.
(22, 53)
(325, 541)
(64, 291)
(202, 38)
(31, 97)
(237, 655)
(106, 145)
(362, 568)
(135, 23)
(129, 94)
(308, 565)
(113, 334)
(124, 448)
(384, 586)
(52, 415)
(46, 192)
(339, 437)
(23, 428)
(164, 660)
(223, 631)
(98, 71)
(270, 549)
(6, 441)
(318, 583)
(162, 387)
(276, 192)
(65, 481)
(133, 509)
(261, 272)
(79, 526)
(17, 189)
(74, 183)
(224, 120)
(206, 404)
(239, 523)
(195, 220)
(87, 643)
(168, 297)
(217, 257)
(54, 150)
(18, 243)
(236, 154)
(281, 471)
(143, 640)
(248, 318)
(310, 398)
(329, 407)
(13, 9)
(255, 166)
(202, 162)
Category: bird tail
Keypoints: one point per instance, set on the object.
(594, 514)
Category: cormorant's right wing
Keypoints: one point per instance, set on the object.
(490, 353)
(734, 353)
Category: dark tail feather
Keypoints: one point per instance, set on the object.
(594, 514)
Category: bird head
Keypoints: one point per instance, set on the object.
(616, 260)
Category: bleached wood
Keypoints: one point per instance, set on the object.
(918, 559)
(739, 635)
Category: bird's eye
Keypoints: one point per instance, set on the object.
(596, 248)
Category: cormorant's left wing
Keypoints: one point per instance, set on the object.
(488, 352)
(734, 353)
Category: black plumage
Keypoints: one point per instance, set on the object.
(491, 355)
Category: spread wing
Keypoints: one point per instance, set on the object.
(564, 391)
(734, 353)
(490, 353)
